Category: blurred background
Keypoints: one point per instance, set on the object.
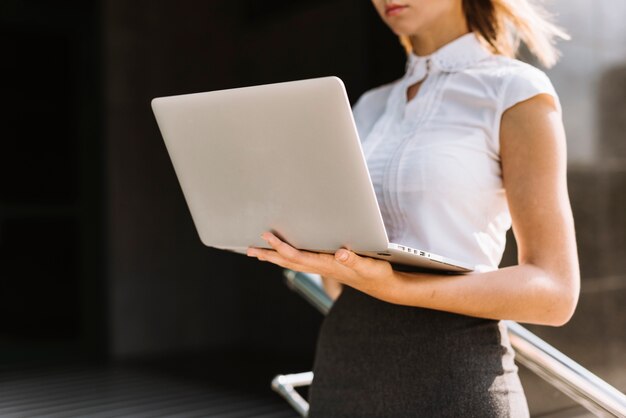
(104, 283)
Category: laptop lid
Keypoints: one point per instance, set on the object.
(281, 157)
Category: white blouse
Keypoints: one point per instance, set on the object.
(435, 161)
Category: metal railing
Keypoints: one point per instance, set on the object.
(554, 367)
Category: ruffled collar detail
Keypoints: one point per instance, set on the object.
(456, 55)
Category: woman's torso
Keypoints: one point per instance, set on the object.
(435, 160)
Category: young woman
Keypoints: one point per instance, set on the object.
(467, 143)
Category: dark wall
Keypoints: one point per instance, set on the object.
(167, 291)
(98, 251)
(51, 196)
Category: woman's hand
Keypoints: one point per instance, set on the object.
(542, 289)
(363, 273)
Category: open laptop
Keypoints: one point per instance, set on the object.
(285, 158)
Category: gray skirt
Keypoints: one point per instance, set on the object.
(378, 359)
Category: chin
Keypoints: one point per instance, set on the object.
(403, 31)
(401, 28)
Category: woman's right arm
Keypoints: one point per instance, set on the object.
(332, 287)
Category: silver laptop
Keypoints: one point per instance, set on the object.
(283, 157)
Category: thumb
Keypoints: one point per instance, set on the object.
(346, 257)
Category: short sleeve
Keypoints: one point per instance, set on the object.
(526, 83)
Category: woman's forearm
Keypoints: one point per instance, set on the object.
(544, 292)
(524, 293)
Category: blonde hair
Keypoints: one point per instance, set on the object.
(504, 24)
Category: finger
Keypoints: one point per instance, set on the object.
(305, 258)
(275, 258)
(363, 266)
(347, 258)
(280, 246)
(272, 257)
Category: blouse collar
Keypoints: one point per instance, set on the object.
(456, 55)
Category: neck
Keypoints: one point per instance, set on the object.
(430, 39)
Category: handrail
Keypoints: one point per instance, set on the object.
(541, 358)
(565, 374)
(284, 384)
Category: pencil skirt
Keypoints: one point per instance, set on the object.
(378, 359)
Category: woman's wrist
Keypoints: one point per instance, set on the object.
(413, 288)
(397, 285)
